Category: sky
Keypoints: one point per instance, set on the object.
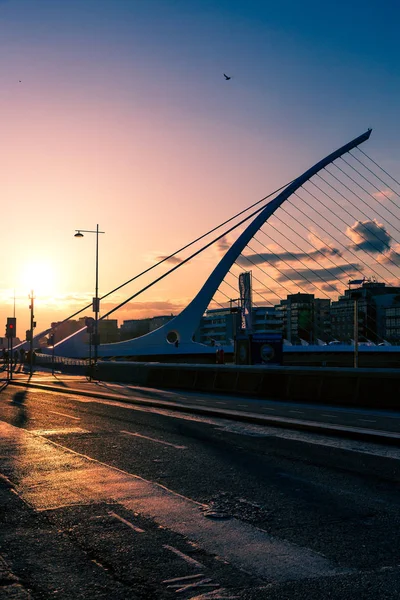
(116, 113)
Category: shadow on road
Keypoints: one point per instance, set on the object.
(18, 401)
(3, 384)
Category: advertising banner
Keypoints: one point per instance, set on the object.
(245, 300)
(266, 348)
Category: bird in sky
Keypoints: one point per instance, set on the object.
(226, 77)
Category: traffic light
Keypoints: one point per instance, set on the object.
(28, 335)
(11, 327)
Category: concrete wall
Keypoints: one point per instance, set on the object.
(379, 388)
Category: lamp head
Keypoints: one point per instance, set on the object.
(78, 234)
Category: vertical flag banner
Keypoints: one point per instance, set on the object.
(246, 300)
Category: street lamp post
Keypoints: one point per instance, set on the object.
(96, 301)
(33, 325)
(234, 310)
(356, 295)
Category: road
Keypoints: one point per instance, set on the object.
(106, 499)
(365, 419)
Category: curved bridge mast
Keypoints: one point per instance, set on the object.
(182, 327)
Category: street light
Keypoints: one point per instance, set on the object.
(356, 295)
(96, 301)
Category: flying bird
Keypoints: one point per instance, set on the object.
(226, 77)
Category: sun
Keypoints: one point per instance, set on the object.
(38, 276)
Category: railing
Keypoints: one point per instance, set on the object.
(60, 360)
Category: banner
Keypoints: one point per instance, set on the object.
(266, 348)
(245, 300)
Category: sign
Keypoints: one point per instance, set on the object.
(89, 322)
(245, 300)
(266, 348)
(242, 351)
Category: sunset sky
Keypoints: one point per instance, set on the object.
(116, 112)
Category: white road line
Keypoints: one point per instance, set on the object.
(268, 408)
(64, 415)
(367, 420)
(219, 402)
(244, 405)
(131, 525)
(146, 437)
(186, 578)
(330, 416)
(204, 583)
(185, 557)
(300, 412)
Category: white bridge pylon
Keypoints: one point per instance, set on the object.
(176, 336)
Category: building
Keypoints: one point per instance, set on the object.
(322, 320)
(4, 342)
(305, 318)
(218, 325)
(392, 324)
(297, 317)
(266, 319)
(108, 331)
(63, 329)
(133, 328)
(374, 300)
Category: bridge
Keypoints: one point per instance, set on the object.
(346, 237)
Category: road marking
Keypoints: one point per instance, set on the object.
(59, 431)
(64, 415)
(146, 437)
(131, 525)
(300, 412)
(219, 402)
(268, 408)
(185, 557)
(204, 583)
(244, 405)
(187, 583)
(367, 420)
(186, 578)
(330, 416)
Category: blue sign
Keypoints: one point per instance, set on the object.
(266, 348)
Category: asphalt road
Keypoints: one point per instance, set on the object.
(387, 421)
(102, 499)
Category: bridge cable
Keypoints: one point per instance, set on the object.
(184, 248)
(362, 212)
(381, 168)
(182, 263)
(381, 180)
(347, 248)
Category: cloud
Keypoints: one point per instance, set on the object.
(173, 260)
(223, 245)
(316, 275)
(390, 257)
(275, 259)
(383, 195)
(328, 288)
(142, 310)
(370, 236)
